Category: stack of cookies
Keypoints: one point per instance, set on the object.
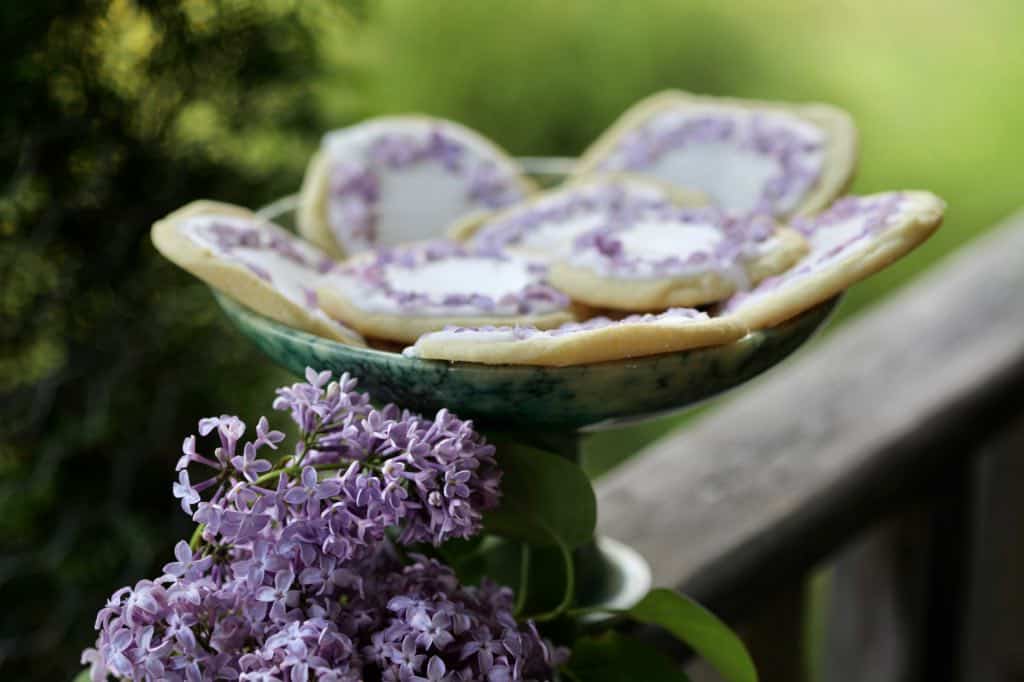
(690, 222)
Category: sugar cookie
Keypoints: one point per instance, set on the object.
(406, 291)
(664, 257)
(597, 340)
(545, 226)
(398, 179)
(253, 261)
(855, 238)
(747, 155)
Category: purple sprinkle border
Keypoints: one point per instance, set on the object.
(354, 188)
(614, 199)
(372, 272)
(641, 147)
(739, 233)
(879, 210)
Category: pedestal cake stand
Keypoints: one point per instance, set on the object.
(550, 407)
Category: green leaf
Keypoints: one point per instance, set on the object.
(82, 676)
(700, 629)
(545, 499)
(612, 657)
(568, 590)
(496, 558)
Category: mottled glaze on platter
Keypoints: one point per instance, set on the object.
(546, 398)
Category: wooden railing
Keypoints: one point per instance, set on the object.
(894, 449)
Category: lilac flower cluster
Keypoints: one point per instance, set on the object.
(354, 188)
(294, 573)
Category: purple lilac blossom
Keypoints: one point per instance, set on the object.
(293, 576)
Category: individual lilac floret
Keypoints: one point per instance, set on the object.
(293, 576)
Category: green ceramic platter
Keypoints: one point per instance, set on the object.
(537, 400)
(552, 399)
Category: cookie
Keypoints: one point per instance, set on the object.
(399, 179)
(597, 340)
(253, 261)
(545, 226)
(663, 257)
(855, 238)
(401, 293)
(747, 155)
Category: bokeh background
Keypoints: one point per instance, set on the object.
(115, 112)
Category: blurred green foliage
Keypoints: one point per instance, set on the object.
(117, 111)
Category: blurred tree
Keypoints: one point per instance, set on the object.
(116, 113)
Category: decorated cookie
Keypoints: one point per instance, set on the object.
(855, 238)
(400, 179)
(597, 340)
(747, 155)
(545, 226)
(253, 261)
(664, 256)
(401, 293)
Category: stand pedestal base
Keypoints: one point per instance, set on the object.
(611, 574)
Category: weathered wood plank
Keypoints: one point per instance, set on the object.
(899, 595)
(774, 633)
(994, 645)
(762, 488)
(880, 642)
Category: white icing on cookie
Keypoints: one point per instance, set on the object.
(401, 292)
(664, 243)
(469, 276)
(290, 265)
(768, 157)
(545, 227)
(401, 179)
(853, 239)
(745, 160)
(254, 261)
